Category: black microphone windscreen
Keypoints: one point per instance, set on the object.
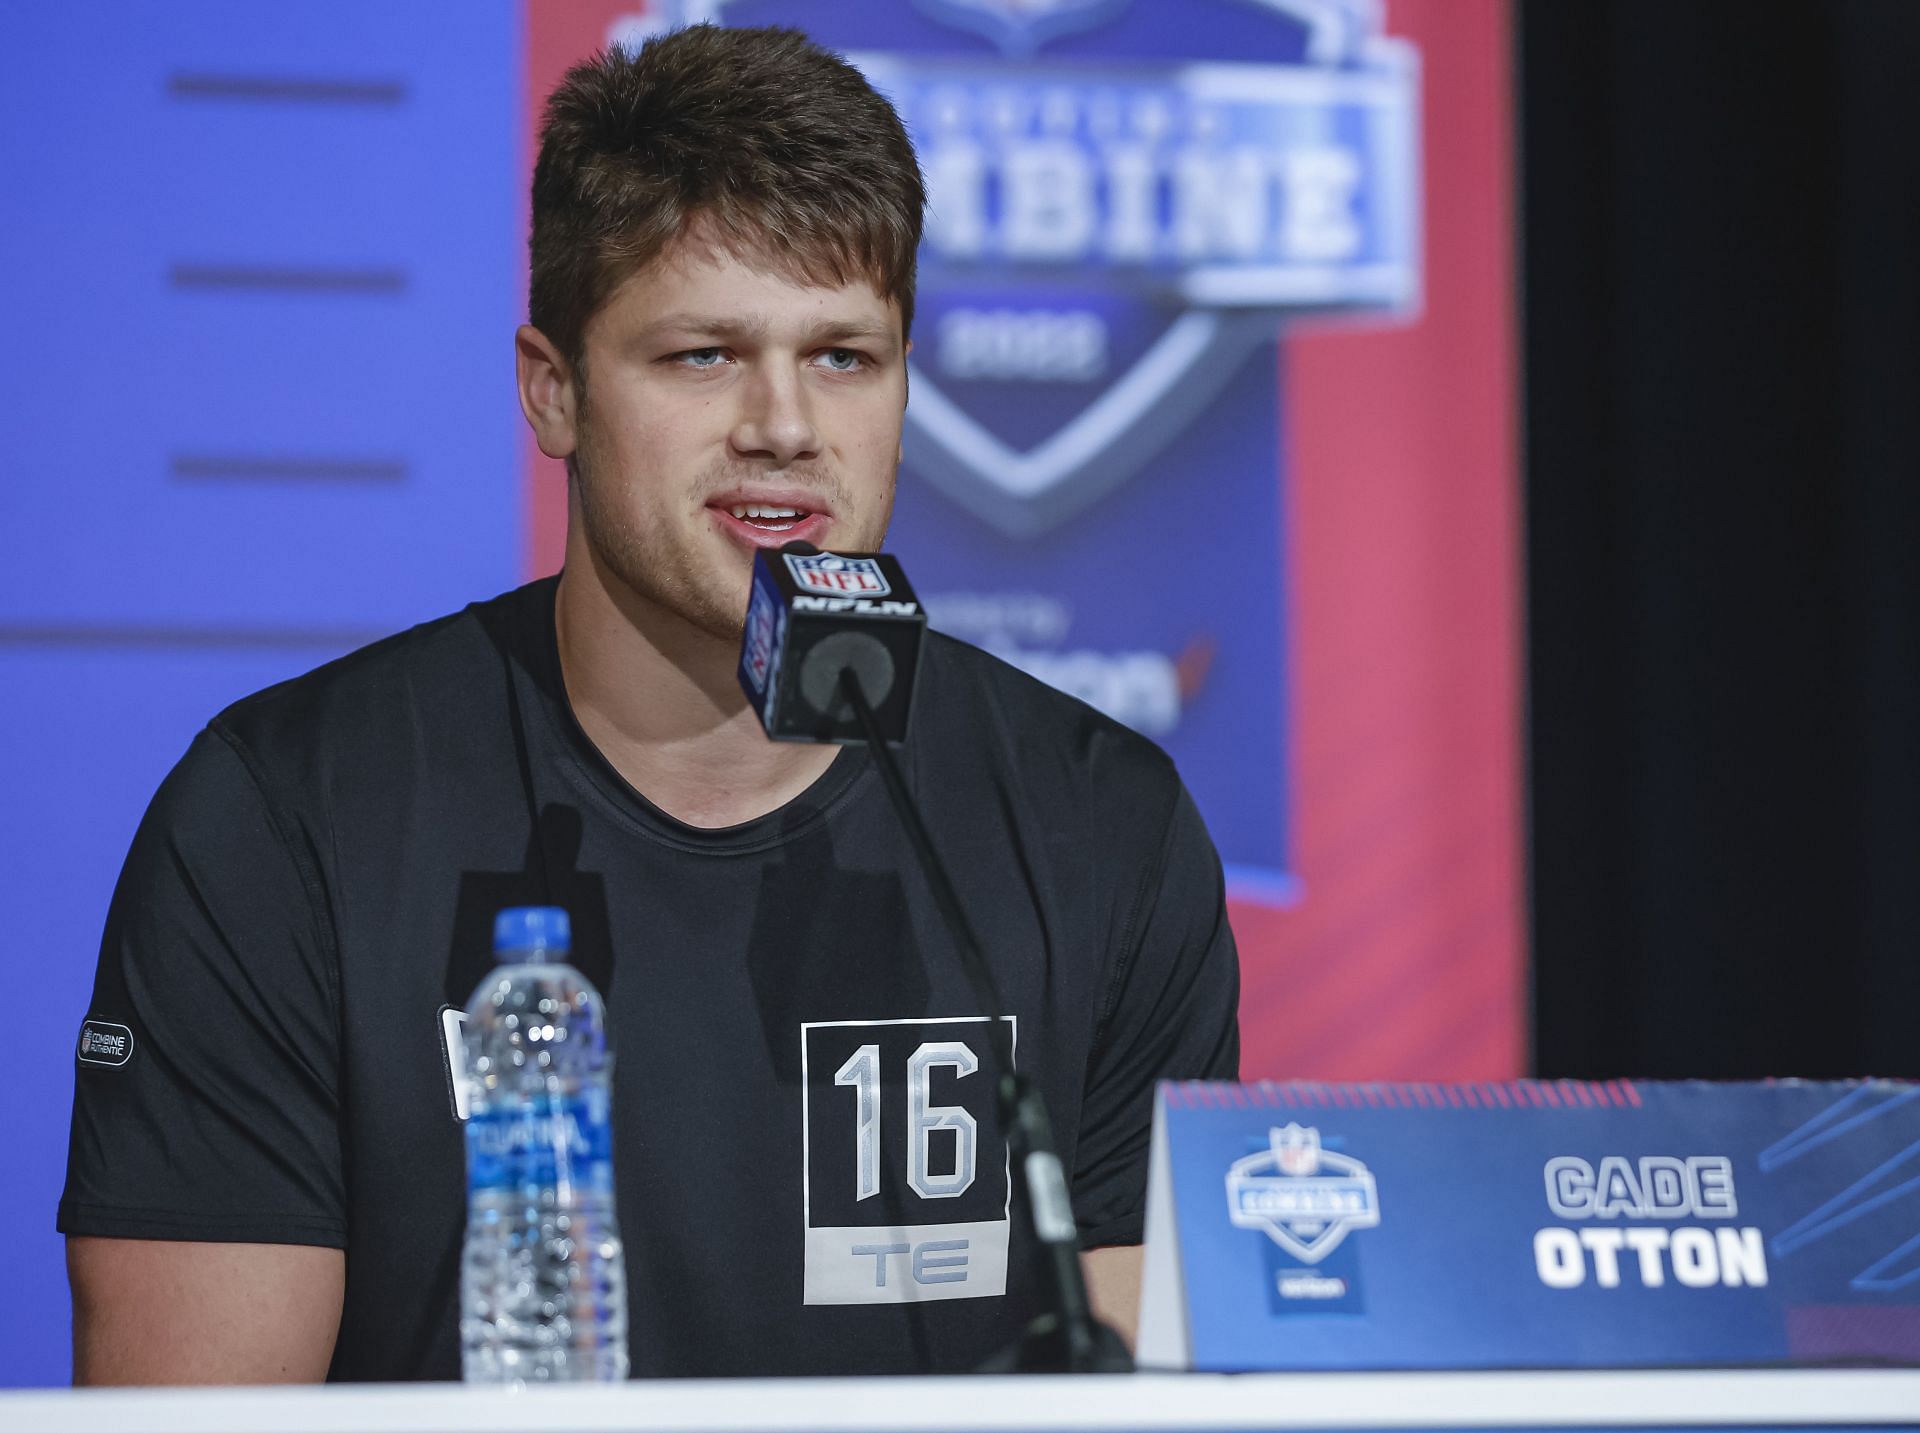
(812, 616)
(869, 661)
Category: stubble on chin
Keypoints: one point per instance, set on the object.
(675, 574)
(663, 576)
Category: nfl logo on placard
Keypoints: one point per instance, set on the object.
(838, 576)
(1303, 1196)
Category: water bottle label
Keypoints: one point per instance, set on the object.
(550, 1140)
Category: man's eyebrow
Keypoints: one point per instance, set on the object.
(736, 329)
(693, 323)
(854, 329)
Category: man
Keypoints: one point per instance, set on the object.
(270, 1185)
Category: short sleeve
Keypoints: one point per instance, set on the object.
(206, 1094)
(1171, 1013)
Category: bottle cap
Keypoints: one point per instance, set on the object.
(532, 932)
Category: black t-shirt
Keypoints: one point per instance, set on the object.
(315, 884)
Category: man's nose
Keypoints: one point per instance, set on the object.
(776, 421)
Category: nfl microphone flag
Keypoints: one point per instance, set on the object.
(812, 615)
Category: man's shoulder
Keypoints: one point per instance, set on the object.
(1038, 730)
(431, 673)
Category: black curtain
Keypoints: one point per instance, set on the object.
(1721, 249)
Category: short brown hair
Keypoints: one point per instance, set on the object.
(782, 146)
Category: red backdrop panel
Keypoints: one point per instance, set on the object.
(1406, 957)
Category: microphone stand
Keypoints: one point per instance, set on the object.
(1069, 1339)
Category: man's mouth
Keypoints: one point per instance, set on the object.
(769, 524)
(769, 519)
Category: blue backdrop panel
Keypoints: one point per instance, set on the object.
(268, 258)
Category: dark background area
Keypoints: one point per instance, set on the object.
(1721, 231)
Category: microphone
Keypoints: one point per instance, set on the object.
(830, 653)
(814, 615)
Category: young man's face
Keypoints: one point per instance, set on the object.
(727, 408)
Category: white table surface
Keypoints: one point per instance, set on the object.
(1654, 1399)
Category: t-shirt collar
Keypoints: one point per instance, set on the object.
(561, 736)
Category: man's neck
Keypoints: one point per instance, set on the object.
(660, 699)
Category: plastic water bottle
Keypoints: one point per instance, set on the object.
(543, 1284)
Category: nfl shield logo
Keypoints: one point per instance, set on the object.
(1299, 1151)
(836, 576)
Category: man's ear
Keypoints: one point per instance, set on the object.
(906, 396)
(547, 393)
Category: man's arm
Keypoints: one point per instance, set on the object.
(205, 1201)
(151, 1311)
(1113, 1287)
(1172, 1015)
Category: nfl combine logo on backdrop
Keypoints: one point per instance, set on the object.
(1116, 238)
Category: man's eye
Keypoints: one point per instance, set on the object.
(841, 360)
(702, 357)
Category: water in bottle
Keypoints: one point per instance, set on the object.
(543, 1281)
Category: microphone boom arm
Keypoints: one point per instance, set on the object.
(1070, 1339)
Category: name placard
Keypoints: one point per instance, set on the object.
(1532, 1224)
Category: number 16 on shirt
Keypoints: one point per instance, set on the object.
(905, 1193)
